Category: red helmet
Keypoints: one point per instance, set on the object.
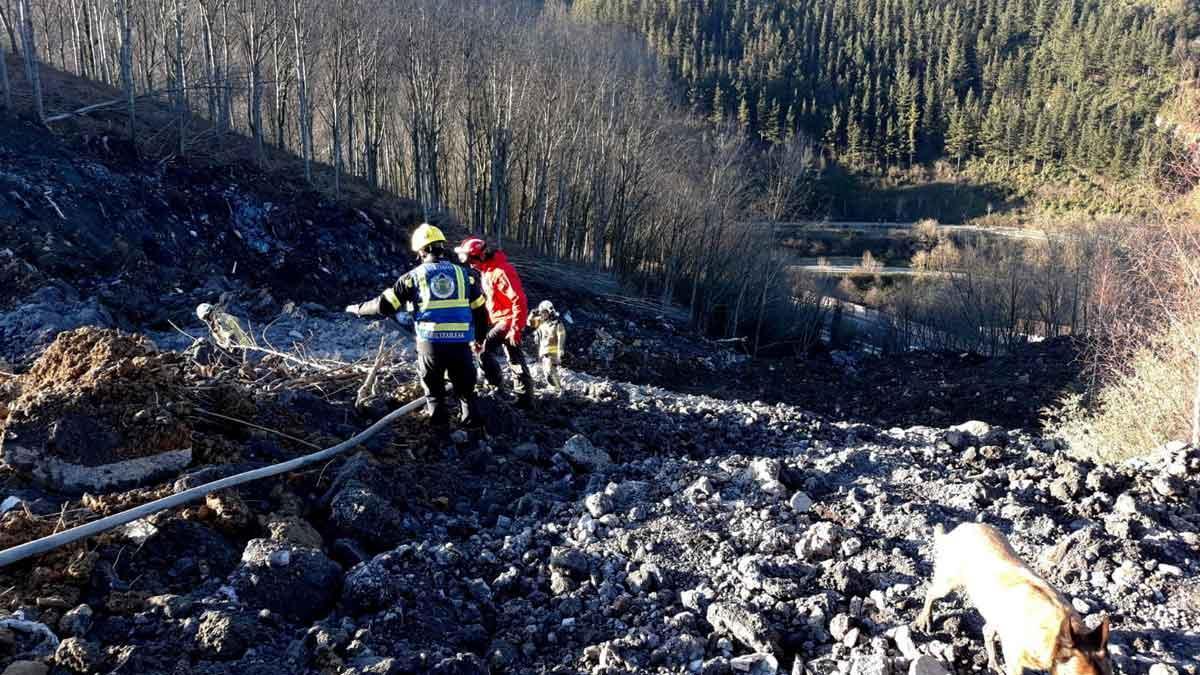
(471, 248)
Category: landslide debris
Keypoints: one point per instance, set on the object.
(99, 410)
(621, 528)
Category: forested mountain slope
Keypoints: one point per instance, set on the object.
(893, 82)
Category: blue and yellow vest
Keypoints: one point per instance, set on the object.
(444, 311)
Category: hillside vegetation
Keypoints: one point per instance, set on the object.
(1062, 85)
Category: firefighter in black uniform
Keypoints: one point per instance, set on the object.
(449, 314)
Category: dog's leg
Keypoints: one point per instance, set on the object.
(989, 643)
(939, 588)
(1013, 663)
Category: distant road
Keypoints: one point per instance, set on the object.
(864, 226)
(842, 270)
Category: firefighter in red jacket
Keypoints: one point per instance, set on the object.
(509, 312)
(448, 304)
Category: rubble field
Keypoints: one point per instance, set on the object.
(619, 528)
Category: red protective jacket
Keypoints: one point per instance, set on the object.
(506, 301)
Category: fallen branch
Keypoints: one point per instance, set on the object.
(56, 209)
(252, 425)
(83, 111)
(49, 543)
(367, 390)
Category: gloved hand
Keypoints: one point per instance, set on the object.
(352, 309)
(513, 337)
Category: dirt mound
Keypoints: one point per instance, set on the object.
(99, 409)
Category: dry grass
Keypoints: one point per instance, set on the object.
(1146, 353)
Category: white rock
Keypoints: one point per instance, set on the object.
(9, 503)
(905, 644)
(800, 503)
(756, 664)
(139, 531)
(598, 504)
(580, 452)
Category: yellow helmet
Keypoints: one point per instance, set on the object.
(425, 235)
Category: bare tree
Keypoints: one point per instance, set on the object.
(5, 87)
(30, 53)
(126, 29)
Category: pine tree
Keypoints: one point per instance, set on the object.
(833, 132)
(957, 136)
(718, 106)
(743, 116)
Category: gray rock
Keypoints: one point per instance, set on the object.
(224, 635)
(571, 561)
(645, 579)
(294, 531)
(77, 622)
(26, 668)
(44, 641)
(716, 666)
(530, 452)
(755, 664)
(363, 515)
(697, 599)
(958, 440)
(370, 586)
(580, 452)
(927, 665)
(874, 663)
(1163, 669)
(173, 606)
(305, 588)
(747, 627)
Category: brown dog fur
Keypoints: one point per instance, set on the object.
(1037, 628)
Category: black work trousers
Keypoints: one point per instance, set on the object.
(436, 361)
(493, 344)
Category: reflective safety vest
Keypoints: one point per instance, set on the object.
(443, 312)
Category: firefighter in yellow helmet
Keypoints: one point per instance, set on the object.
(449, 311)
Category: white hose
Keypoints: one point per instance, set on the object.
(49, 543)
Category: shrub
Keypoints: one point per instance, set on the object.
(1145, 352)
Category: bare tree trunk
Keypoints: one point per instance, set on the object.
(181, 101)
(304, 118)
(1196, 408)
(6, 19)
(32, 67)
(5, 87)
(127, 65)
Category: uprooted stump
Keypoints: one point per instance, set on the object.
(99, 411)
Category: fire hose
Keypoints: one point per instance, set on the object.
(53, 541)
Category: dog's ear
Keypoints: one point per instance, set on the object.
(1065, 644)
(1094, 639)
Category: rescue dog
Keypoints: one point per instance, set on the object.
(1037, 627)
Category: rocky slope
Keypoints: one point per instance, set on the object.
(619, 528)
(655, 518)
